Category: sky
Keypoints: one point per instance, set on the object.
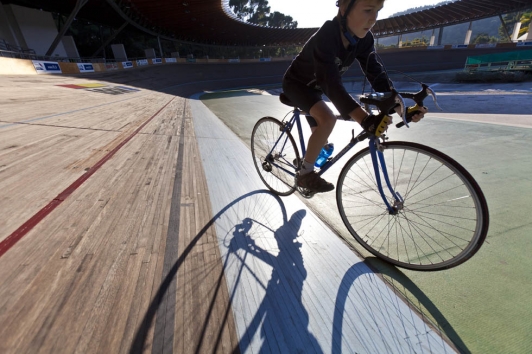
(313, 13)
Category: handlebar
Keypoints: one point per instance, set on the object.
(385, 102)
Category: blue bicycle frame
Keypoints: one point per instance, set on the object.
(376, 155)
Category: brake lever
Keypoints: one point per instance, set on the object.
(433, 94)
(400, 100)
(418, 99)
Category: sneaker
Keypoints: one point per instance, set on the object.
(313, 182)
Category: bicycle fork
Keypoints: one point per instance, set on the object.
(375, 150)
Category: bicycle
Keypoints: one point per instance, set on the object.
(432, 215)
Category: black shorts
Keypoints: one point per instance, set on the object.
(303, 97)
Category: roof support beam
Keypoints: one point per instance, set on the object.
(161, 47)
(110, 39)
(79, 5)
(504, 28)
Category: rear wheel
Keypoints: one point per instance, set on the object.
(442, 221)
(275, 155)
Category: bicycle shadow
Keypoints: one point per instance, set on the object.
(281, 317)
(156, 308)
(246, 209)
(278, 303)
(427, 309)
(369, 319)
(365, 316)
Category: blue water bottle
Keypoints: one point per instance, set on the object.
(325, 153)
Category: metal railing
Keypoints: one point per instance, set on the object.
(33, 56)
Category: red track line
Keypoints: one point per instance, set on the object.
(12, 239)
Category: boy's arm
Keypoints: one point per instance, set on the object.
(373, 69)
(358, 114)
(328, 76)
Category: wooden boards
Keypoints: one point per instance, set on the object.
(93, 274)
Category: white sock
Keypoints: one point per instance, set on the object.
(307, 168)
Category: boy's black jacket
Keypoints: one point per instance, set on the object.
(324, 59)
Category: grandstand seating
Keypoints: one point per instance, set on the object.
(14, 51)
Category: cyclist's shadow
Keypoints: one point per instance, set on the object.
(281, 316)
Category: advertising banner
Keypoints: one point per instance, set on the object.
(460, 46)
(85, 68)
(170, 60)
(127, 64)
(486, 45)
(436, 47)
(111, 66)
(157, 61)
(142, 62)
(233, 60)
(46, 67)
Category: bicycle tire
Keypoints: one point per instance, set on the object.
(276, 170)
(444, 219)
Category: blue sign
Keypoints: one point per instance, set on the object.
(157, 61)
(52, 67)
(85, 68)
(127, 64)
(43, 67)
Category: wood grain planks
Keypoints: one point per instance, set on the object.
(87, 277)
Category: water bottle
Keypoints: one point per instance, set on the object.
(325, 153)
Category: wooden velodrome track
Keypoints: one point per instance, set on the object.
(133, 221)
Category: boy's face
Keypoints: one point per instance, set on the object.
(363, 16)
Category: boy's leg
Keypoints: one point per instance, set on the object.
(326, 120)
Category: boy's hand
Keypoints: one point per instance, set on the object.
(414, 113)
(376, 124)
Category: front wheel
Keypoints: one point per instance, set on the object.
(441, 222)
(275, 155)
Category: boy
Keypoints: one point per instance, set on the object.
(318, 69)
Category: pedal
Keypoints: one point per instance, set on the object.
(305, 193)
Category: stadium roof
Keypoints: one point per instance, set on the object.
(212, 21)
(445, 15)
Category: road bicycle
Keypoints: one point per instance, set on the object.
(429, 215)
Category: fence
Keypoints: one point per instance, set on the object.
(509, 61)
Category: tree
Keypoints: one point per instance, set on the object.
(416, 42)
(483, 38)
(258, 12)
(240, 8)
(278, 19)
(509, 21)
(525, 23)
